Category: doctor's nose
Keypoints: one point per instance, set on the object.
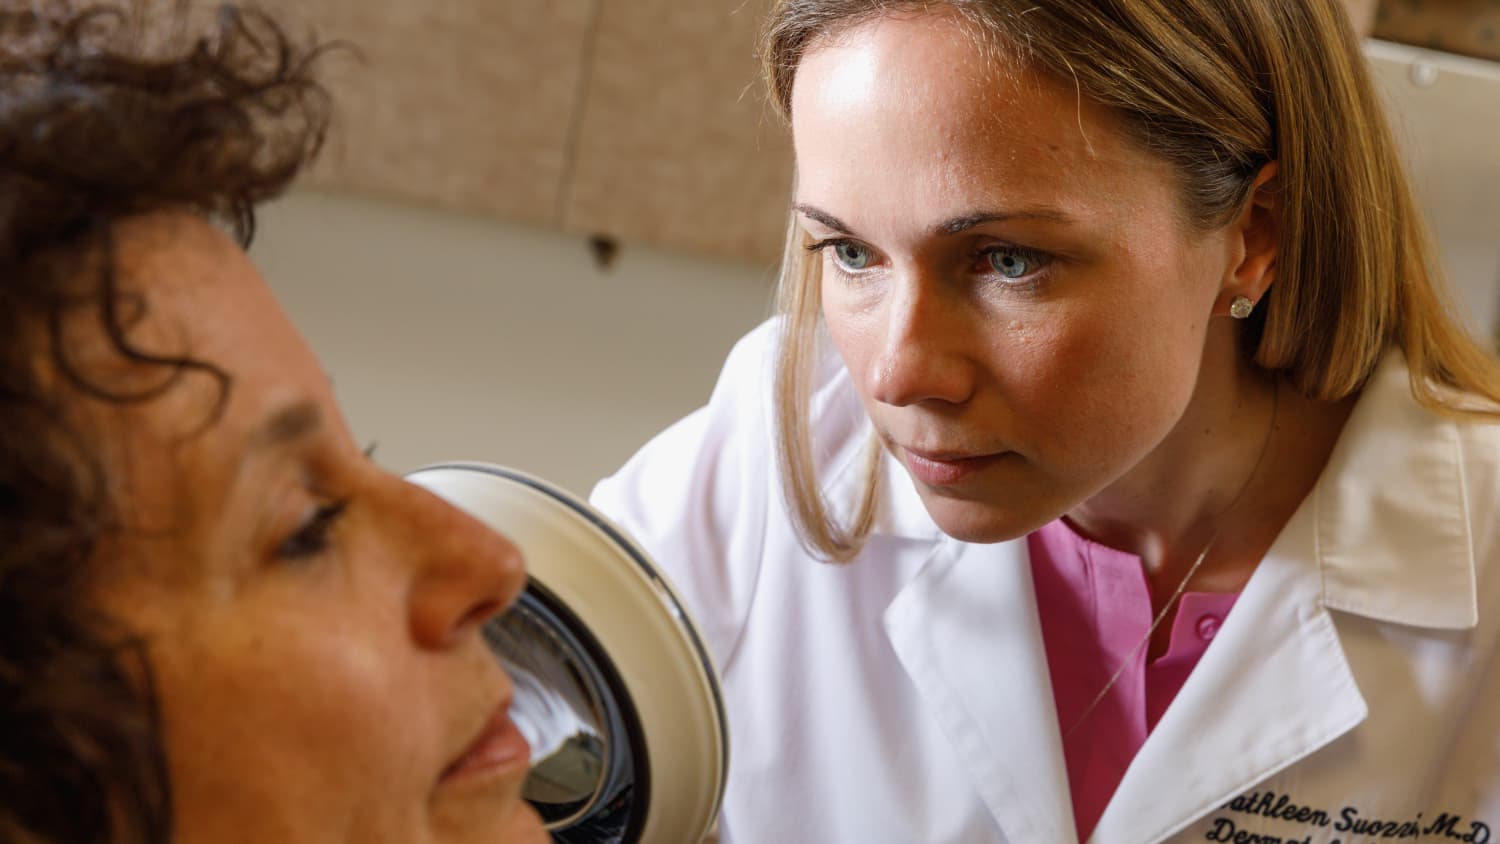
(920, 356)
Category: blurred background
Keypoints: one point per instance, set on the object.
(539, 225)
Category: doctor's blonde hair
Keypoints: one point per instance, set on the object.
(1218, 88)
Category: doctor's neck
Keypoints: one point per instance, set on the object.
(1231, 473)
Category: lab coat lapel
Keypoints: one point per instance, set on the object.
(1274, 687)
(967, 633)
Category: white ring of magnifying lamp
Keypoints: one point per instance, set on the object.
(633, 627)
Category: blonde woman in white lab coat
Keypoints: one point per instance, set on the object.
(1112, 471)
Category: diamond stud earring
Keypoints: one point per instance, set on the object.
(1241, 307)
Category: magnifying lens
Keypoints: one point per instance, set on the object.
(614, 689)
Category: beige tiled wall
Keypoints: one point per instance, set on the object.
(677, 145)
(466, 105)
(1469, 27)
(1362, 12)
(642, 120)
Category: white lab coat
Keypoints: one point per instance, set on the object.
(905, 697)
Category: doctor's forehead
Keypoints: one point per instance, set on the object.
(915, 102)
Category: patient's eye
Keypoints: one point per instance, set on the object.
(313, 536)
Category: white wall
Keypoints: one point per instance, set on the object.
(1445, 110)
(458, 338)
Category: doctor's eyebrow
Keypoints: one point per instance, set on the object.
(953, 225)
(823, 217)
(965, 222)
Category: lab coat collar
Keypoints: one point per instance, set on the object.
(1394, 538)
(1386, 534)
(967, 633)
(1275, 687)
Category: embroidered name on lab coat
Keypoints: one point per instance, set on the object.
(1344, 825)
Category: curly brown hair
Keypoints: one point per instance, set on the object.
(105, 114)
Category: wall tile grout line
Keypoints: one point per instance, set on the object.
(575, 125)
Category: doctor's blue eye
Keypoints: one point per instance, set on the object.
(1010, 263)
(851, 255)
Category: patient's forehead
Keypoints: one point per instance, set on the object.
(186, 292)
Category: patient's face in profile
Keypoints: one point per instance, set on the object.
(312, 622)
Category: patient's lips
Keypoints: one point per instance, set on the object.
(499, 749)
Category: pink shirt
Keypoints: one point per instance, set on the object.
(1095, 607)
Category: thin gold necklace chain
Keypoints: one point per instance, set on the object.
(1192, 570)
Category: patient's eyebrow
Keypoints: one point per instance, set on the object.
(289, 424)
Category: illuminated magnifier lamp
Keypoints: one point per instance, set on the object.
(614, 689)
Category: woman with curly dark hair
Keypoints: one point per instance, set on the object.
(218, 619)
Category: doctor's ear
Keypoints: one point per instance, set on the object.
(1254, 233)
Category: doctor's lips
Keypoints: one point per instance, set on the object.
(945, 468)
(499, 749)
